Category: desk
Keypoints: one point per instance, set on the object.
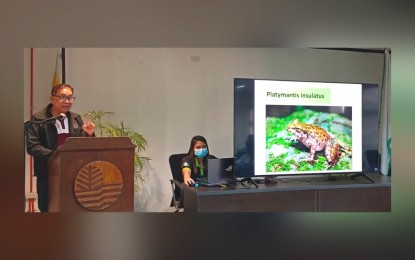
(295, 194)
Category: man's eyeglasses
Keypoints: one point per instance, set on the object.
(65, 98)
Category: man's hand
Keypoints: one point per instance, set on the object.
(89, 128)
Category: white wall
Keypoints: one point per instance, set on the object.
(170, 95)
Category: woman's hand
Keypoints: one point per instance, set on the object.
(188, 181)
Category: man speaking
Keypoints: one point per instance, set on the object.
(48, 129)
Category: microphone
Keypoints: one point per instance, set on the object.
(51, 119)
(61, 116)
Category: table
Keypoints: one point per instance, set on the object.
(295, 194)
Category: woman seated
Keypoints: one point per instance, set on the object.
(194, 164)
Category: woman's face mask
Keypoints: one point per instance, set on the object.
(200, 153)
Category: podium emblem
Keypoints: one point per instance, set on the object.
(98, 185)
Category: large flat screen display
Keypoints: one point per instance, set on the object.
(298, 127)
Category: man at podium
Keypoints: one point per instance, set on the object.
(48, 130)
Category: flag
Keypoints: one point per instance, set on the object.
(56, 76)
(385, 146)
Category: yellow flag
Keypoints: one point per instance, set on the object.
(56, 76)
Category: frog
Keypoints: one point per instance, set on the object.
(316, 139)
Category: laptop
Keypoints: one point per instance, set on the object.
(220, 172)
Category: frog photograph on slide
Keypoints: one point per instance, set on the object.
(305, 138)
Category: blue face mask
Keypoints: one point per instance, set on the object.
(200, 153)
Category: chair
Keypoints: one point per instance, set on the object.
(176, 171)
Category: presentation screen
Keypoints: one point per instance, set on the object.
(297, 127)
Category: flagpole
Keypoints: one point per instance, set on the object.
(31, 201)
(63, 66)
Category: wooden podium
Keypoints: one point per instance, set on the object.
(90, 174)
